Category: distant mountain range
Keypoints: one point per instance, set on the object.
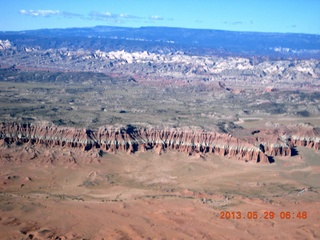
(168, 40)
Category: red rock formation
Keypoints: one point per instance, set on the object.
(304, 135)
(271, 89)
(255, 146)
(279, 140)
(112, 139)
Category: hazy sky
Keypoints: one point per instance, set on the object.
(300, 16)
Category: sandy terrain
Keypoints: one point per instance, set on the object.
(146, 196)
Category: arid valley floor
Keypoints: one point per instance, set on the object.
(172, 196)
(156, 143)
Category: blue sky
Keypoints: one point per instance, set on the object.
(299, 16)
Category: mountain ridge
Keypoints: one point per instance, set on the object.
(191, 41)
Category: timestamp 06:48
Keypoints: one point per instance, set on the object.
(263, 215)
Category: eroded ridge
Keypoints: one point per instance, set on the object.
(280, 140)
(255, 148)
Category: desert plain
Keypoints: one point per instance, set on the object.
(157, 143)
(147, 196)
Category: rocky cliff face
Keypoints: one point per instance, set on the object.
(280, 140)
(255, 148)
(112, 139)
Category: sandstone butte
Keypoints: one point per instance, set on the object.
(255, 148)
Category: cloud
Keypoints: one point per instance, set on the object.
(233, 23)
(95, 15)
(49, 13)
(71, 15)
(237, 23)
(112, 17)
(40, 13)
(156, 17)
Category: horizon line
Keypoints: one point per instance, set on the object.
(110, 26)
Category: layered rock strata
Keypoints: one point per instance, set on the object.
(255, 148)
(113, 139)
(304, 135)
(280, 140)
